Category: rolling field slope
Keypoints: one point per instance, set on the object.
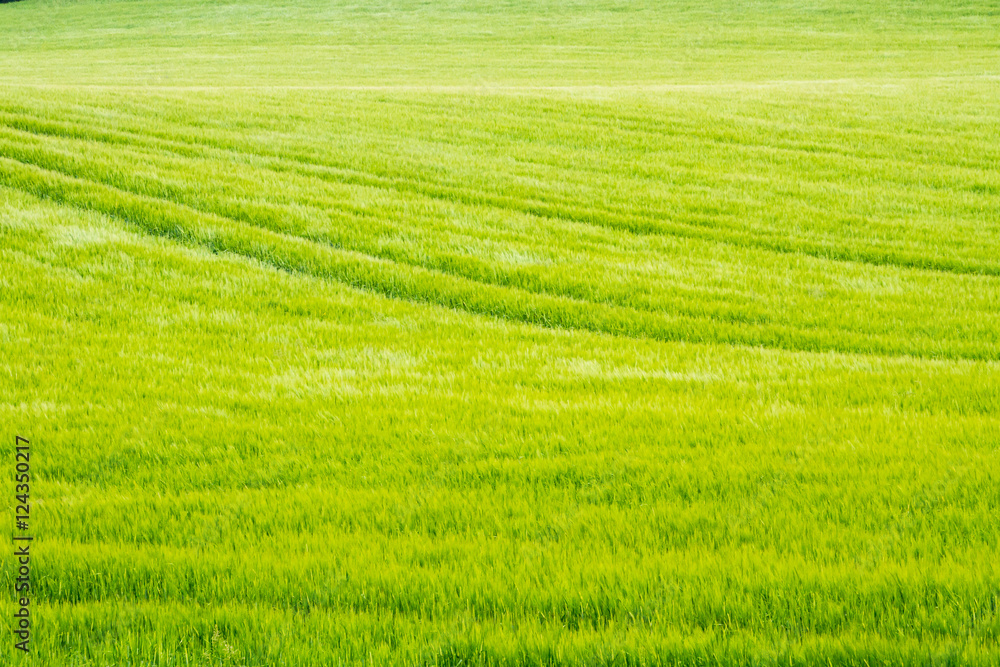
(531, 333)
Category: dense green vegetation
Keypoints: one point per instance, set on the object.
(523, 333)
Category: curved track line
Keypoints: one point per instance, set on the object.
(298, 255)
(694, 229)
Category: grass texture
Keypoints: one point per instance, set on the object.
(519, 333)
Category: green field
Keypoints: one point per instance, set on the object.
(426, 332)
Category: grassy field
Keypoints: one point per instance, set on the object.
(520, 333)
